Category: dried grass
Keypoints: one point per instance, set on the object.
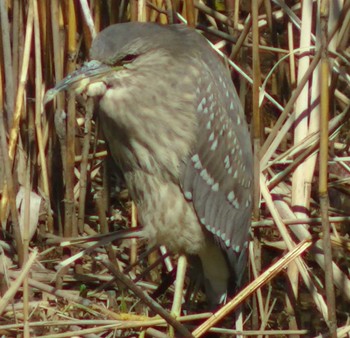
(52, 178)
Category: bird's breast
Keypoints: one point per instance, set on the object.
(168, 219)
(146, 129)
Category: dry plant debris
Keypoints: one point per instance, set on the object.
(290, 61)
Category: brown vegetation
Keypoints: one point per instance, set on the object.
(291, 63)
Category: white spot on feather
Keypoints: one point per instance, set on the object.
(195, 158)
(211, 137)
(214, 145)
(196, 161)
(204, 174)
(231, 196)
(209, 228)
(201, 104)
(235, 203)
(210, 181)
(188, 195)
(227, 162)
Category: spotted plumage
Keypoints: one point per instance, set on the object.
(174, 125)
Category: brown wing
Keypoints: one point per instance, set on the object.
(217, 177)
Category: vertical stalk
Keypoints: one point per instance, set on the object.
(256, 143)
(70, 226)
(84, 165)
(26, 239)
(323, 175)
(256, 109)
(190, 15)
(38, 114)
(7, 59)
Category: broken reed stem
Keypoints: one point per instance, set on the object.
(9, 195)
(14, 133)
(15, 285)
(15, 128)
(302, 234)
(264, 278)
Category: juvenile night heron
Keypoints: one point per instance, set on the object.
(174, 125)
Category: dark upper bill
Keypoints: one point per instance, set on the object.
(89, 73)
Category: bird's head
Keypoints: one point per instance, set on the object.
(128, 46)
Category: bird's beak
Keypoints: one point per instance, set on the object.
(90, 72)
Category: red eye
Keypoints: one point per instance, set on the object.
(128, 58)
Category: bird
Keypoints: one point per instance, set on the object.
(174, 125)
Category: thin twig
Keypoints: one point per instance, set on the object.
(157, 308)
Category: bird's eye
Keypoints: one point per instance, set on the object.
(128, 58)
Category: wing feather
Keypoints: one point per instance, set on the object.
(218, 173)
